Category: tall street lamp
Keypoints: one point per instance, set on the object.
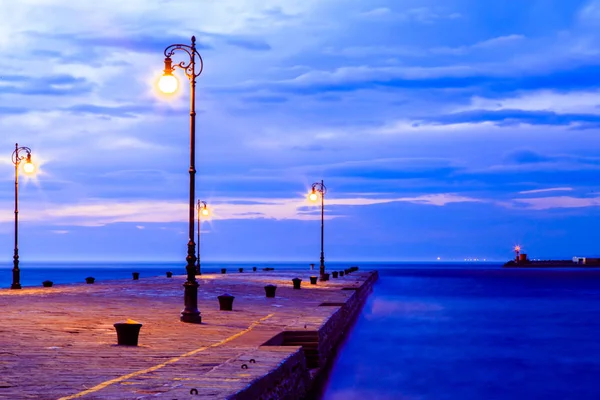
(28, 168)
(318, 188)
(168, 84)
(202, 210)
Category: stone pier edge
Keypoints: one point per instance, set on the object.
(292, 379)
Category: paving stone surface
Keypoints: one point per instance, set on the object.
(60, 343)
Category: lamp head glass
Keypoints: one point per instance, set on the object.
(29, 167)
(168, 83)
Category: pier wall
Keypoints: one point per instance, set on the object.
(297, 376)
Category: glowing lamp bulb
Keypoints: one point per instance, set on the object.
(205, 211)
(168, 84)
(29, 168)
(313, 196)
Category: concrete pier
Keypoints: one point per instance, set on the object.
(60, 343)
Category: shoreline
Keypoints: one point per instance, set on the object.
(292, 339)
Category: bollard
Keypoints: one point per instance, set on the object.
(341, 273)
(296, 282)
(225, 302)
(270, 290)
(169, 274)
(324, 277)
(334, 274)
(313, 280)
(47, 284)
(312, 266)
(127, 332)
(136, 275)
(90, 280)
(254, 269)
(347, 271)
(223, 270)
(241, 269)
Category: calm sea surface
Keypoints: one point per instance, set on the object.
(474, 333)
(440, 331)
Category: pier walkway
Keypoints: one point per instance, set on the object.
(60, 343)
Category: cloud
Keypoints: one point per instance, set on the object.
(560, 102)
(376, 12)
(103, 212)
(493, 43)
(507, 117)
(13, 110)
(51, 85)
(249, 44)
(547, 203)
(558, 189)
(134, 42)
(427, 15)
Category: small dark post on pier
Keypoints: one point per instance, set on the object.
(270, 290)
(226, 302)
(127, 333)
(296, 282)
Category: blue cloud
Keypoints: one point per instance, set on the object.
(514, 117)
(248, 44)
(8, 110)
(51, 85)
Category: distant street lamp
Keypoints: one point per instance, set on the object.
(318, 188)
(168, 84)
(28, 168)
(202, 210)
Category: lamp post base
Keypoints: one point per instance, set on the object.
(190, 313)
(15, 286)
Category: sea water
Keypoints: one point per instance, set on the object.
(473, 332)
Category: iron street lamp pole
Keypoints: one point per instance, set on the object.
(201, 209)
(320, 187)
(190, 312)
(16, 159)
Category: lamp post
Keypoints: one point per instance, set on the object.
(168, 84)
(28, 168)
(319, 187)
(202, 210)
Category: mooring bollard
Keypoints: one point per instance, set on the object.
(253, 268)
(324, 277)
(169, 274)
(225, 302)
(312, 266)
(347, 271)
(90, 280)
(270, 290)
(334, 274)
(128, 332)
(136, 275)
(241, 269)
(223, 270)
(296, 282)
(313, 280)
(47, 284)
(341, 273)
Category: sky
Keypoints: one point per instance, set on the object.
(441, 128)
